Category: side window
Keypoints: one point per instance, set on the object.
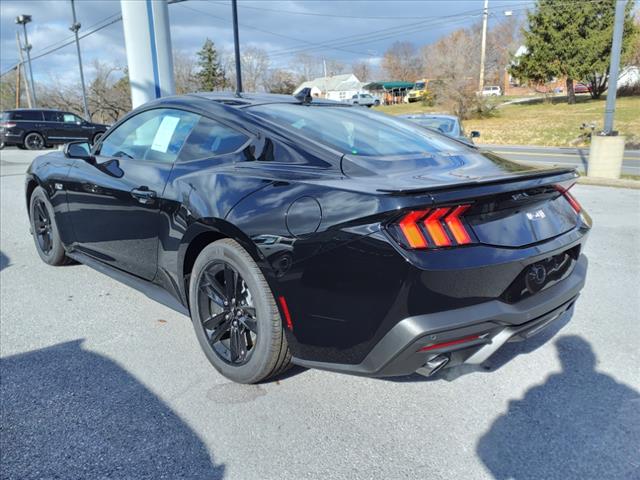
(70, 118)
(155, 135)
(210, 138)
(33, 115)
(52, 116)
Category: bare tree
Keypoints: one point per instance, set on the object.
(362, 71)
(184, 69)
(402, 62)
(109, 92)
(334, 67)
(306, 66)
(281, 81)
(452, 68)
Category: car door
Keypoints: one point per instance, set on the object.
(53, 127)
(75, 128)
(114, 202)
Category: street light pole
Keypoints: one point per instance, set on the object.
(236, 45)
(74, 28)
(485, 15)
(616, 46)
(23, 20)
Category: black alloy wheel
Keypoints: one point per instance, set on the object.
(235, 316)
(43, 229)
(34, 141)
(227, 313)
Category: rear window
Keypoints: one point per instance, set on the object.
(356, 131)
(4, 116)
(26, 115)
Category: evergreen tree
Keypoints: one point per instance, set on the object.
(571, 40)
(210, 74)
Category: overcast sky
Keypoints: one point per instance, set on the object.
(280, 27)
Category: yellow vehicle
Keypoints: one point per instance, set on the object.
(419, 91)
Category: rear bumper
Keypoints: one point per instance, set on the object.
(494, 323)
(9, 138)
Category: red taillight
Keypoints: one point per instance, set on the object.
(435, 228)
(7, 125)
(570, 198)
(409, 227)
(456, 227)
(438, 227)
(449, 344)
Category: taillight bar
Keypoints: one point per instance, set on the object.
(433, 228)
(7, 125)
(570, 198)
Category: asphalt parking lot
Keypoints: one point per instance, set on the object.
(97, 381)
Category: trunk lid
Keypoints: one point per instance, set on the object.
(511, 205)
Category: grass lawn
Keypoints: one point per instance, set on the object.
(539, 123)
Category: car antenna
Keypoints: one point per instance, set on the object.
(304, 95)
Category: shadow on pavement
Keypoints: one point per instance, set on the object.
(579, 424)
(70, 413)
(4, 261)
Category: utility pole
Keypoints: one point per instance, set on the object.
(74, 28)
(483, 48)
(18, 85)
(236, 46)
(21, 65)
(324, 65)
(614, 68)
(23, 20)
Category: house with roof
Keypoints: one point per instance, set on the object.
(337, 87)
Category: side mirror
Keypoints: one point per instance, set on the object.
(80, 150)
(475, 134)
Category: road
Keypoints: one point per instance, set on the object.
(100, 382)
(572, 157)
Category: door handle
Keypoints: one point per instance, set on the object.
(143, 195)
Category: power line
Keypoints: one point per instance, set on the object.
(328, 15)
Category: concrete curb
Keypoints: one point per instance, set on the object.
(610, 182)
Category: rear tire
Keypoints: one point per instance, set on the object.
(45, 230)
(34, 141)
(236, 322)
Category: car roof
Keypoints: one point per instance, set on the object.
(34, 110)
(251, 99)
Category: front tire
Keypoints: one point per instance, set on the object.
(45, 230)
(235, 316)
(96, 138)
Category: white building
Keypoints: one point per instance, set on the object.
(338, 87)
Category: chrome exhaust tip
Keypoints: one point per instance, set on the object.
(433, 365)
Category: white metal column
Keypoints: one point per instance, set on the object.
(148, 43)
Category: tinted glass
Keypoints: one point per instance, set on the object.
(5, 116)
(356, 131)
(53, 116)
(445, 125)
(210, 138)
(154, 135)
(26, 115)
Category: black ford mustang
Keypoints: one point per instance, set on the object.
(316, 233)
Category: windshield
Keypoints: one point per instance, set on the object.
(356, 131)
(419, 86)
(445, 125)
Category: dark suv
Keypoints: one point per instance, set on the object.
(35, 129)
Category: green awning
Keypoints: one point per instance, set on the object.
(388, 85)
